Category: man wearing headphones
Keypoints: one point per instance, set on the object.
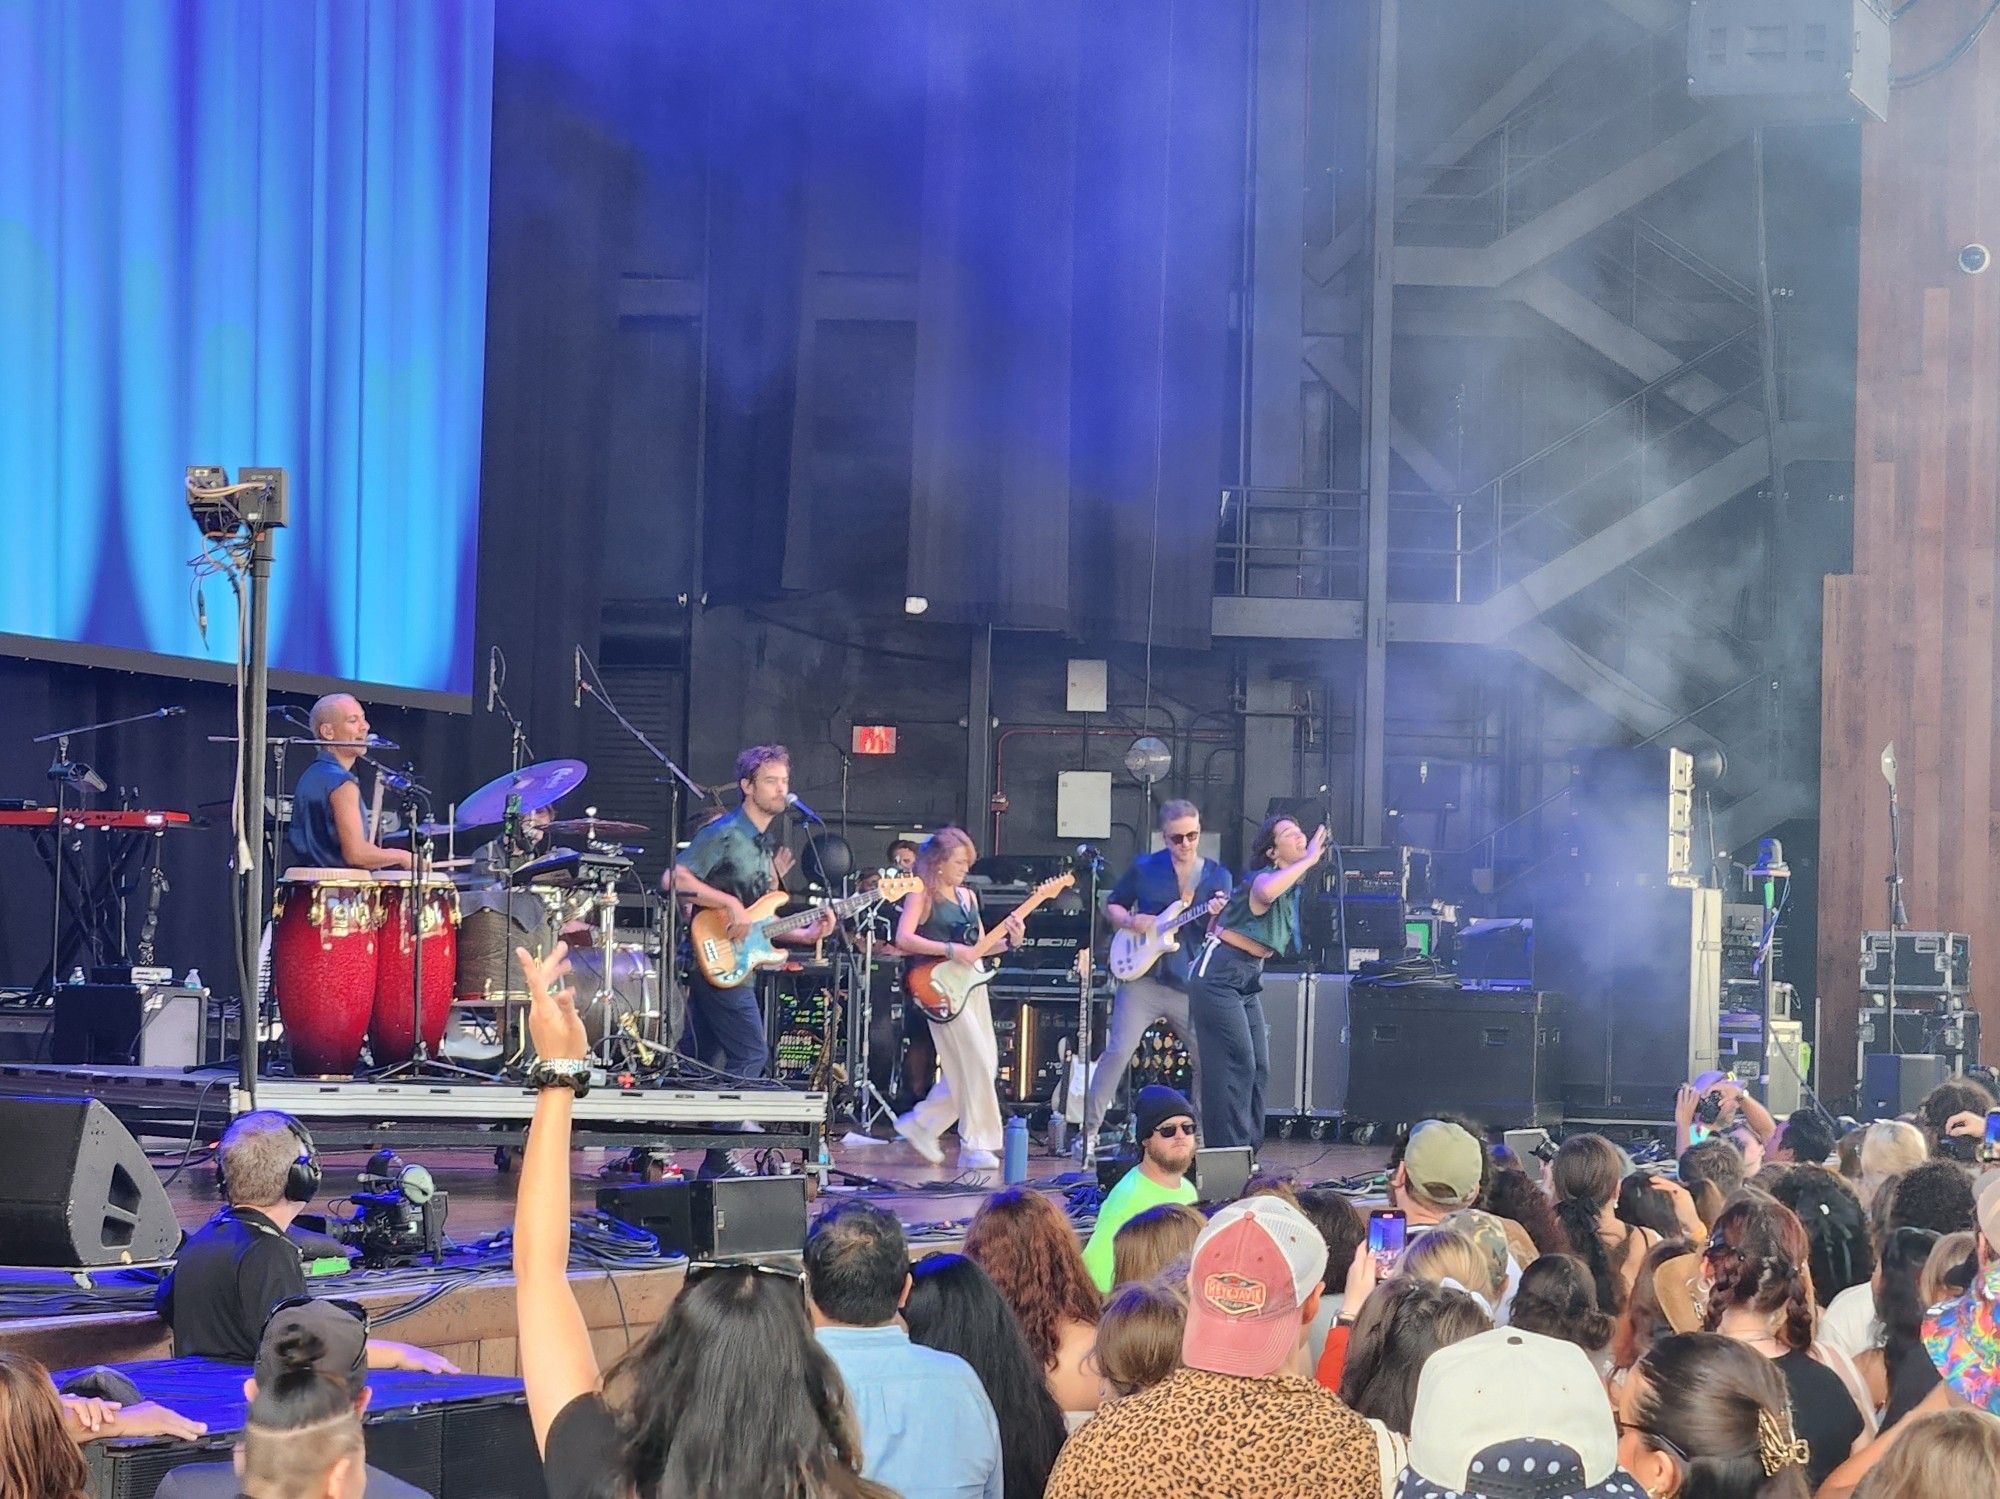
(237, 1267)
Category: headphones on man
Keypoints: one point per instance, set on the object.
(302, 1177)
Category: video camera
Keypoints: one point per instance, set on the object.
(398, 1216)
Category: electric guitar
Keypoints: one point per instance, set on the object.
(727, 961)
(942, 986)
(1133, 955)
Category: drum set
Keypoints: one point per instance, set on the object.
(419, 966)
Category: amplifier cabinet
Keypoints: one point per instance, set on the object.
(1306, 1015)
(1420, 1049)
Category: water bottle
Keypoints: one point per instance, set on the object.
(1014, 1157)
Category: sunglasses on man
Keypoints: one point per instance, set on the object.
(1169, 1131)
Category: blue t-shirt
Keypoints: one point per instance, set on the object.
(927, 1429)
(1149, 885)
(312, 840)
(734, 857)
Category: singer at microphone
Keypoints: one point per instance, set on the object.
(326, 831)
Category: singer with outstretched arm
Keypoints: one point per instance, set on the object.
(731, 862)
(1226, 985)
(326, 830)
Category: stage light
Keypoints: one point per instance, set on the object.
(915, 603)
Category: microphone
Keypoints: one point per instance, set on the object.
(792, 800)
(376, 741)
(175, 712)
(576, 666)
(1087, 856)
(492, 675)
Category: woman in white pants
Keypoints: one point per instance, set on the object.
(942, 921)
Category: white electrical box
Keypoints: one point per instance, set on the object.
(1083, 804)
(1089, 689)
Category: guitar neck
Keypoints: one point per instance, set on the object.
(986, 944)
(777, 926)
(1192, 913)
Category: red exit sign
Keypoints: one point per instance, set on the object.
(874, 739)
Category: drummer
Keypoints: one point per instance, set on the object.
(326, 830)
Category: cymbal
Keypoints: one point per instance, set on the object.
(592, 827)
(539, 785)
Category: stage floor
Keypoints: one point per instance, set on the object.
(928, 1198)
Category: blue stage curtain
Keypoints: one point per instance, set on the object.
(238, 232)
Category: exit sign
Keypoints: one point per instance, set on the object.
(874, 739)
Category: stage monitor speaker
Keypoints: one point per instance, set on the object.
(1893, 1084)
(715, 1219)
(1640, 969)
(78, 1189)
(1221, 1172)
(1425, 1049)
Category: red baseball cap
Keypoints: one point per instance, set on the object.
(1255, 1265)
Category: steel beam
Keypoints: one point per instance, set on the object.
(1277, 257)
(1370, 788)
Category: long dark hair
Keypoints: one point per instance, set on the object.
(1899, 1307)
(1644, 1205)
(954, 1307)
(1557, 1299)
(1401, 1326)
(1030, 1251)
(1708, 1396)
(1843, 1254)
(1757, 1257)
(38, 1458)
(1515, 1195)
(735, 1355)
(1266, 842)
(1586, 1177)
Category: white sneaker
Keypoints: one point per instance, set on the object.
(977, 1160)
(922, 1141)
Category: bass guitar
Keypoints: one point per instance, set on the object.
(941, 987)
(727, 961)
(1133, 955)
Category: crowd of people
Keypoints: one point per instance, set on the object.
(1785, 1313)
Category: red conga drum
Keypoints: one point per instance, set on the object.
(389, 1032)
(323, 966)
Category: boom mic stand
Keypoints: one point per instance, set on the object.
(676, 780)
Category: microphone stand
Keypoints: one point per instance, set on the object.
(1093, 864)
(1898, 916)
(676, 780)
(518, 753)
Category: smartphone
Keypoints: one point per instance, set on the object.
(1388, 1231)
(1989, 1144)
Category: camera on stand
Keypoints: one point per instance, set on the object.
(398, 1214)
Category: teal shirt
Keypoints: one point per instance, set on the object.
(734, 857)
(1277, 928)
(1134, 1193)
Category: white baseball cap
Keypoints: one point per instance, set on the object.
(1513, 1415)
(1253, 1268)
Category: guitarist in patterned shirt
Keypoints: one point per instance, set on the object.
(728, 864)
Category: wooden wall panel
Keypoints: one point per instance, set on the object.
(1909, 648)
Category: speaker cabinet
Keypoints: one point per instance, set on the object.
(715, 1219)
(1893, 1085)
(1423, 1049)
(78, 1190)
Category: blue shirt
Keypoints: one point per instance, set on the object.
(1149, 885)
(927, 1428)
(734, 857)
(312, 840)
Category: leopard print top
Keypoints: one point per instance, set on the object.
(1224, 1438)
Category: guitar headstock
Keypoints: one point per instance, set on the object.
(896, 886)
(1055, 886)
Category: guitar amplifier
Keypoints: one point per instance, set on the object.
(144, 1025)
(1421, 1049)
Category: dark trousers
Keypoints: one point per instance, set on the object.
(1226, 1006)
(725, 1028)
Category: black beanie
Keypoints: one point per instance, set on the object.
(1154, 1106)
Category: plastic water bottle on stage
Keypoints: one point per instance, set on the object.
(1014, 1154)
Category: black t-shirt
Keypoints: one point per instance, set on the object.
(1823, 1413)
(227, 1277)
(582, 1457)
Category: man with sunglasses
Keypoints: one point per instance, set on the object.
(1174, 871)
(1165, 1123)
